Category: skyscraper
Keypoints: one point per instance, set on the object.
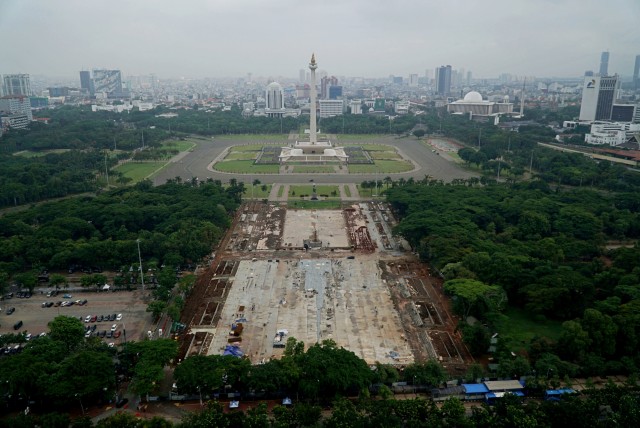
(443, 80)
(604, 63)
(17, 84)
(85, 81)
(636, 73)
(598, 96)
(108, 81)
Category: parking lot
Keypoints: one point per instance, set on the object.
(132, 305)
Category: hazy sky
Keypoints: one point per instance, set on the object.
(369, 38)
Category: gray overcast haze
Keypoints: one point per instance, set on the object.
(369, 38)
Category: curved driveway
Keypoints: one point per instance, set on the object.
(195, 163)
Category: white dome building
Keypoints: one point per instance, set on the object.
(274, 96)
(473, 105)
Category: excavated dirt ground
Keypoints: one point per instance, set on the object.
(353, 283)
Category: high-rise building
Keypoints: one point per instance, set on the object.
(274, 99)
(413, 80)
(335, 92)
(15, 111)
(85, 81)
(636, 73)
(108, 81)
(325, 83)
(17, 84)
(302, 75)
(598, 96)
(604, 63)
(443, 80)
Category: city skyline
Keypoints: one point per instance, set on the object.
(368, 38)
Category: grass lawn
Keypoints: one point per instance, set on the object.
(181, 146)
(382, 167)
(138, 171)
(245, 167)
(258, 193)
(377, 148)
(246, 148)
(384, 155)
(308, 189)
(31, 154)
(331, 204)
(254, 137)
(370, 193)
(347, 190)
(281, 190)
(312, 169)
(358, 136)
(518, 327)
(241, 156)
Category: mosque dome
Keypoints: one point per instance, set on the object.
(473, 97)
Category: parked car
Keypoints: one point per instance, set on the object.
(94, 318)
(109, 334)
(67, 296)
(103, 333)
(17, 325)
(88, 333)
(116, 334)
(11, 310)
(119, 317)
(114, 327)
(100, 318)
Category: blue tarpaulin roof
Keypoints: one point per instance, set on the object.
(233, 351)
(551, 392)
(502, 394)
(474, 388)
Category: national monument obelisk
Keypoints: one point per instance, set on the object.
(313, 139)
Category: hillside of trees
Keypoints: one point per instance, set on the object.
(175, 222)
(544, 252)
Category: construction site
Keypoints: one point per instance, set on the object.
(316, 275)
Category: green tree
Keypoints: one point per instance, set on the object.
(68, 330)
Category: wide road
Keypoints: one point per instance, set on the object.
(196, 163)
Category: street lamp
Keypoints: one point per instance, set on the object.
(81, 406)
(140, 261)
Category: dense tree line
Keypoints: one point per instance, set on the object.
(543, 251)
(368, 124)
(175, 223)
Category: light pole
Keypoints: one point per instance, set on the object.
(140, 260)
(81, 406)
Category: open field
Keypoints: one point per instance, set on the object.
(377, 155)
(357, 137)
(138, 171)
(247, 155)
(327, 204)
(131, 304)
(382, 167)
(245, 167)
(256, 137)
(518, 327)
(258, 193)
(296, 191)
(180, 145)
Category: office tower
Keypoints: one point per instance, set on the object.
(274, 98)
(17, 84)
(413, 80)
(107, 81)
(469, 77)
(636, 73)
(335, 92)
(325, 83)
(85, 81)
(598, 96)
(443, 80)
(604, 63)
